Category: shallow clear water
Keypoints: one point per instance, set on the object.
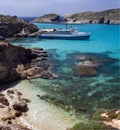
(81, 95)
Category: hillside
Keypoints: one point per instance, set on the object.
(111, 16)
(48, 18)
(11, 26)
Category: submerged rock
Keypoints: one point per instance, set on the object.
(89, 64)
(85, 71)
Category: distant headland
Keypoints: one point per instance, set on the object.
(110, 16)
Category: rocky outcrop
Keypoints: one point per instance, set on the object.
(103, 17)
(112, 118)
(111, 16)
(48, 18)
(20, 106)
(21, 63)
(12, 26)
(10, 114)
(89, 64)
(102, 119)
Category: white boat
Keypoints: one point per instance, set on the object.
(71, 34)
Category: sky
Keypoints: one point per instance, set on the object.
(41, 7)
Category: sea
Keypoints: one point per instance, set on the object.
(74, 94)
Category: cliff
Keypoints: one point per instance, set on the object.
(12, 26)
(48, 18)
(111, 16)
(21, 63)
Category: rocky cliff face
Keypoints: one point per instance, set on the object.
(107, 16)
(11, 25)
(111, 16)
(10, 57)
(48, 18)
(21, 63)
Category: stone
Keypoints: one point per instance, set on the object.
(4, 101)
(18, 113)
(9, 117)
(21, 106)
(85, 71)
(88, 64)
(10, 91)
(23, 63)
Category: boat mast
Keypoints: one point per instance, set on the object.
(66, 24)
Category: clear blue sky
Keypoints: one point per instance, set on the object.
(41, 7)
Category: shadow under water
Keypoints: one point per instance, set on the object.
(82, 94)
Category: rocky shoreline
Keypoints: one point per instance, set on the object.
(11, 26)
(12, 107)
(18, 63)
(21, 63)
(103, 17)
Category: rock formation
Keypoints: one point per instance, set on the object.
(11, 26)
(108, 17)
(102, 119)
(89, 65)
(48, 18)
(111, 16)
(21, 63)
(11, 112)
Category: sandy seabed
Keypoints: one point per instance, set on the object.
(42, 115)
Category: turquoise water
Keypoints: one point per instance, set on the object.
(81, 95)
(103, 38)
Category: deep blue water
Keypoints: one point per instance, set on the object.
(72, 92)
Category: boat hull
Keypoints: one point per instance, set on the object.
(84, 37)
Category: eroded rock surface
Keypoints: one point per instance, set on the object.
(10, 117)
(103, 17)
(89, 65)
(48, 18)
(11, 26)
(21, 63)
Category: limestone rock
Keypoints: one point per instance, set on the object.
(9, 117)
(85, 71)
(11, 25)
(89, 64)
(48, 18)
(20, 106)
(103, 17)
(21, 63)
(3, 100)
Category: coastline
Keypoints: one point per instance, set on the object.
(42, 115)
(45, 116)
(73, 23)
